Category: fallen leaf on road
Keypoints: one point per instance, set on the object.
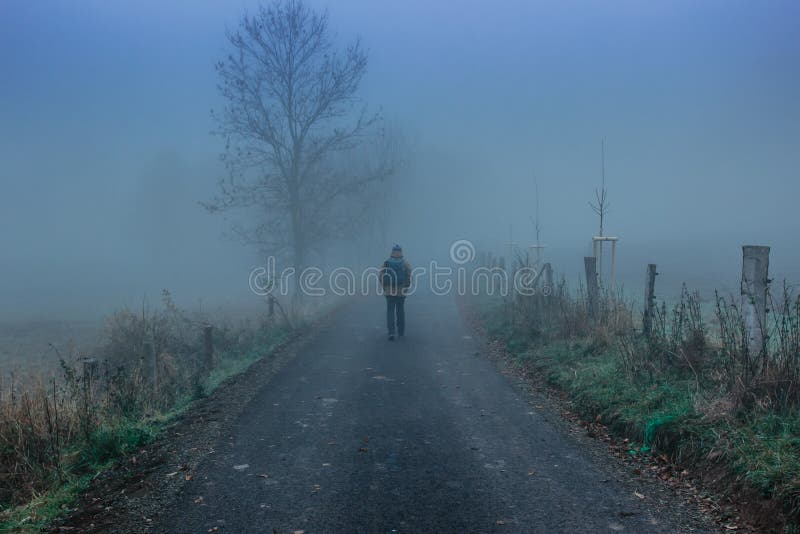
(363, 449)
(315, 488)
(531, 473)
(298, 532)
(213, 529)
(638, 494)
(241, 467)
(263, 475)
(499, 522)
(199, 500)
(326, 465)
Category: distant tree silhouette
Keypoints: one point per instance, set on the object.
(293, 127)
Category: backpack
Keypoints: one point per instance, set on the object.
(394, 273)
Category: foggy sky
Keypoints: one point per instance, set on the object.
(105, 148)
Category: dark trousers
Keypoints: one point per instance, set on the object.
(395, 307)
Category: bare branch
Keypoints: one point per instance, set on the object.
(290, 100)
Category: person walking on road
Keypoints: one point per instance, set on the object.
(396, 279)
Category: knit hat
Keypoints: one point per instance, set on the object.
(397, 251)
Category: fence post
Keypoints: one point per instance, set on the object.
(649, 298)
(592, 289)
(208, 346)
(755, 272)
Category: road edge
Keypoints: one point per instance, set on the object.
(137, 489)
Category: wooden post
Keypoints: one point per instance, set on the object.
(592, 289)
(599, 262)
(208, 346)
(755, 273)
(597, 252)
(649, 298)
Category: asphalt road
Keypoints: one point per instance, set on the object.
(358, 434)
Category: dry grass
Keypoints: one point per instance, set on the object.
(93, 409)
(691, 387)
(769, 378)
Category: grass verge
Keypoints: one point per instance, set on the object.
(679, 411)
(114, 437)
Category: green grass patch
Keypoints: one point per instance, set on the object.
(598, 386)
(115, 440)
(766, 451)
(42, 509)
(232, 363)
(662, 411)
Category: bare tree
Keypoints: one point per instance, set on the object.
(537, 227)
(292, 122)
(600, 207)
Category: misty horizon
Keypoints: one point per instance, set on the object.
(107, 153)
